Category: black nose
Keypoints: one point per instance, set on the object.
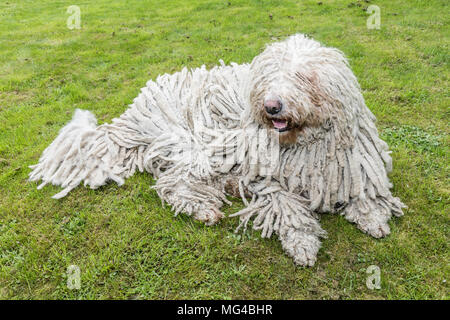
(273, 106)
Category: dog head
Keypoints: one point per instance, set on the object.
(292, 87)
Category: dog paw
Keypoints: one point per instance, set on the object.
(376, 229)
(209, 216)
(370, 216)
(301, 247)
(304, 256)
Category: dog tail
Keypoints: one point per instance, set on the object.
(86, 152)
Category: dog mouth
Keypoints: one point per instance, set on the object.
(281, 125)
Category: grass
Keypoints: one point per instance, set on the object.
(125, 243)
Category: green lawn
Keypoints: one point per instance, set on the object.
(125, 243)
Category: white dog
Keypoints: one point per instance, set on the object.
(290, 133)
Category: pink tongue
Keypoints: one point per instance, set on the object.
(279, 124)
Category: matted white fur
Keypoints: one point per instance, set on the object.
(199, 130)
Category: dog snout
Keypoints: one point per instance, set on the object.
(273, 106)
